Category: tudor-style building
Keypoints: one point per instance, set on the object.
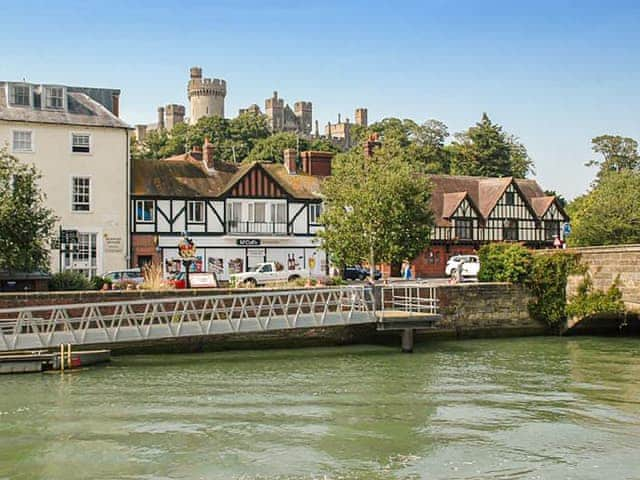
(237, 214)
(471, 211)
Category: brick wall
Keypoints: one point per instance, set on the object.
(144, 246)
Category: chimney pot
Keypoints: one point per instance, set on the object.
(208, 151)
(290, 160)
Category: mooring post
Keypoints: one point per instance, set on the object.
(62, 357)
(407, 340)
(69, 355)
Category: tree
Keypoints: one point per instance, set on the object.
(619, 153)
(26, 224)
(376, 209)
(486, 150)
(420, 143)
(609, 213)
(272, 148)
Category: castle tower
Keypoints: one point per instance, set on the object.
(274, 109)
(206, 96)
(160, 118)
(174, 114)
(304, 113)
(361, 116)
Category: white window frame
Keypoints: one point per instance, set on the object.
(252, 212)
(72, 135)
(29, 94)
(191, 210)
(73, 203)
(46, 90)
(153, 211)
(315, 210)
(13, 142)
(279, 207)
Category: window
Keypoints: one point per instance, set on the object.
(195, 212)
(510, 230)
(82, 257)
(257, 212)
(234, 212)
(464, 229)
(279, 213)
(80, 143)
(266, 269)
(551, 229)
(54, 97)
(145, 211)
(81, 194)
(20, 95)
(22, 141)
(510, 198)
(315, 211)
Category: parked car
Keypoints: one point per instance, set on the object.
(470, 265)
(358, 272)
(267, 272)
(131, 275)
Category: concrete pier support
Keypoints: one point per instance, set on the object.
(407, 340)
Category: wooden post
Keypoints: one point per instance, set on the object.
(69, 355)
(62, 357)
(407, 340)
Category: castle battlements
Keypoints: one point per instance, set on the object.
(206, 95)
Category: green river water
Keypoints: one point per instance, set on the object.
(545, 407)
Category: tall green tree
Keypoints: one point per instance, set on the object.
(376, 209)
(618, 154)
(486, 150)
(609, 213)
(420, 143)
(26, 224)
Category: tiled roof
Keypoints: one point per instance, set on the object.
(81, 110)
(185, 175)
(449, 190)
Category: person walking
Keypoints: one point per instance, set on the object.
(407, 271)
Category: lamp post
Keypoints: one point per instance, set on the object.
(187, 253)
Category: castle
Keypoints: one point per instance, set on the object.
(206, 99)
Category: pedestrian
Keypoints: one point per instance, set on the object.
(407, 271)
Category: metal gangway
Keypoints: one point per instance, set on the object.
(93, 324)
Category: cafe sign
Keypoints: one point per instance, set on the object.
(248, 242)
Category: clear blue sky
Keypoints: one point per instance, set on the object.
(554, 73)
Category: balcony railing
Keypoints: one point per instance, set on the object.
(261, 228)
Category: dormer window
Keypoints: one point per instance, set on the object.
(20, 95)
(54, 98)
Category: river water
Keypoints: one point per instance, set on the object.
(548, 408)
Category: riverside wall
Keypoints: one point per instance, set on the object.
(608, 263)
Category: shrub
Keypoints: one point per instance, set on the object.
(548, 284)
(504, 262)
(97, 283)
(154, 277)
(69, 280)
(588, 302)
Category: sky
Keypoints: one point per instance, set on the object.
(553, 73)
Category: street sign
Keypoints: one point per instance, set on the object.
(566, 228)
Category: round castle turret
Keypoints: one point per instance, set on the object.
(206, 96)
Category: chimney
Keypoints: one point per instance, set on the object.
(115, 104)
(208, 151)
(160, 118)
(316, 163)
(290, 160)
(370, 144)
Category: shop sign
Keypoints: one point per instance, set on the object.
(248, 242)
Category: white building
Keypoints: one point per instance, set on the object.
(237, 214)
(75, 139)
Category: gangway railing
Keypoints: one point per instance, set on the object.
(147, 320)
(408, 300)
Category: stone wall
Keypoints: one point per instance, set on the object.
(605, 264)
(487, 310)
